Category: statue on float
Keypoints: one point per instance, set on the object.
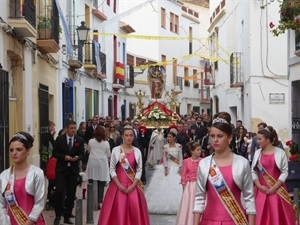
(156, 80)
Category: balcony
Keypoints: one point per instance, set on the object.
(129, 76)
(236, 76)
(297, 43)
(204, 95)
(48, 30)
(94, 59)
(209, 78)
(22, 17)
(73, 61)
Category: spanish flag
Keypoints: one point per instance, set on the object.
(119, 71)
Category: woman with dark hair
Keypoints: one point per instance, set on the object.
(23, 185)
(240, 142)
(97, 166)
(222, 178)
(81, 130)
(269, 172)
(164, 192)
(124, 202)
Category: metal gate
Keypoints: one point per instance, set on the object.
(4, 120)
(44, 122)
(296, 111)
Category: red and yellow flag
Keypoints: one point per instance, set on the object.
(119, 71)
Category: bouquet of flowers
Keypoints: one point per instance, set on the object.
(295, 156)
(155, 115)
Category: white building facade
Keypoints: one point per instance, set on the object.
(250, 70)
(172, 34)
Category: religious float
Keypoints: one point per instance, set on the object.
(157, 115)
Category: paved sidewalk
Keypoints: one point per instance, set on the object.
(155, 219)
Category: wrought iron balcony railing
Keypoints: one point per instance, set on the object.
(236, 76)
(26, 10)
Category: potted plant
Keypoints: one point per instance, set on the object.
(293, 179)
(44, 27)
(289, 17)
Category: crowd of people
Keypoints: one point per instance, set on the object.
(207, 171)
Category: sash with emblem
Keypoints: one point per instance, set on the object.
(225, 195)
(128, 169)
(280, 191)
(18, 213)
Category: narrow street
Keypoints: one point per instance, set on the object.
(155, 219)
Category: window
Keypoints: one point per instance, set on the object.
(96, 102)
(108, 2)
(115, 6)
(190, 40)
(176, 25)
(172, 21)
(186, 78)
(174, 70)
(195, 79)
(163, 17)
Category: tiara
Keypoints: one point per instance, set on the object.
(174, 131)
(267, 129)
(128, 127)
(219, 120)
(21, 136)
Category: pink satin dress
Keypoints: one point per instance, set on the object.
(25, 200)
(272, 209)
(119, 208)
(215, 212)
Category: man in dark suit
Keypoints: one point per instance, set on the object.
(200, 128)
(68, 150)
(89, 133)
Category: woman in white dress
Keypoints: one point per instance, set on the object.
(97, 166)
(156, 144)
(164, 191)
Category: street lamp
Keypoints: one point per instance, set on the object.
(172, 95)
(82, 33)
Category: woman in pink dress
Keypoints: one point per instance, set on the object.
(222, 178)
(124, 202)
(188, 180)
(23, 185)
(269, 171)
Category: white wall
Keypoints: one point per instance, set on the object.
(245, 28)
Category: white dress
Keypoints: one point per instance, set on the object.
(97, 166)
(164, 192)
